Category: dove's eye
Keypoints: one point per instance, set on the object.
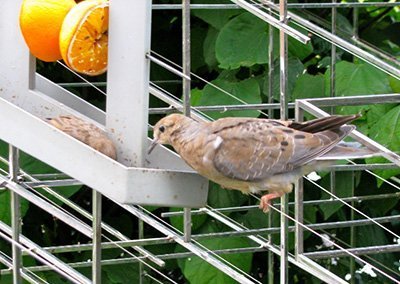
(161, 128)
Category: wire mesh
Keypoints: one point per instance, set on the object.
(105, 236)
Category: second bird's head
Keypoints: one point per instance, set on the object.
(164, 129)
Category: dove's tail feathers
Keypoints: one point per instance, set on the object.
(324, 123)
(344, 151)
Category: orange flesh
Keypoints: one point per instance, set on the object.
(88, 49)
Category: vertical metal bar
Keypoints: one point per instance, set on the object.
(299, 216)
(283, 115)
(352, 233)
(96, 253)
(355, 23)
(128, 79)
(141, 236)
(187, 217)
(299, 196)
(271, 271)
(333, 84)
(15, 215)
(270, 67)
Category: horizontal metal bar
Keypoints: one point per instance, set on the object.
(52, 183)
(289, 5)
(317, 226)
(167, 66)
(221, 108)
(356, 251)
(307, 202)
(355, 100)
(61, 215)
(136, 259)
(272, 21)
(110, 245)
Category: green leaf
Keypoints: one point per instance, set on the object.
(219, 197)
(394, 84)
(343, 188)
(197, 271)
(298, 49)
(5, 206)
(123, 273)
(243, 41)
(357, 79)
(295, 67)
(386, 131)
(309, 86)
(246, 90)
(177, 222)
(217, 18)
(209, 48)
(198, 35)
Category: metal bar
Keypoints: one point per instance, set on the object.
(283, 56)
(141, 236)
(128, 79)
(167, 67)
(315, 269)
(282, 26)
(36, 251)
(137, 259)
(355, 100)
(15, 215)
(27, 275)
(368, 142)
(306, 202)
(357, 251)
(352, 233)
(52, 183)
(188, 245)
(186, 65)
(109, 245)
(339, 42)
(96, 225)
(290, 5)
(66, 218)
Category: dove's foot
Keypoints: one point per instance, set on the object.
(266, 200)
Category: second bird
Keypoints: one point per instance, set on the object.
(255, 155)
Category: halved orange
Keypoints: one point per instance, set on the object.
(40, 22)
(84, 37)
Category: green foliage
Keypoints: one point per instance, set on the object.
(197, 271)
(246, 90)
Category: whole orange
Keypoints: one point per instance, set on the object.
(40, 22)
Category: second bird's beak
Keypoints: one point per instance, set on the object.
(152, 146)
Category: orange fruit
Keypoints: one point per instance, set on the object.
(40, 22)
(84, 37)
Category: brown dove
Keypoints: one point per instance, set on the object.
(255, 155)
(85, 132)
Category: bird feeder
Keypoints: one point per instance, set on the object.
(27, 98)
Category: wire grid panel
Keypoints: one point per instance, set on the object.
(300, 259)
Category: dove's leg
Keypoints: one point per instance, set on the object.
(266, 200)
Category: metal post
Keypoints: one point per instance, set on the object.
(333, 85)
(15, 215)
(283, 115)
(271, 272)
(128, 79)
(270, 67)
(187, 217)
(96, 253)
(141, 236)
(352, 233)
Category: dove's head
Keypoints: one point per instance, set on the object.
(165, 129)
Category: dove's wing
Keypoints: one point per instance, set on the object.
(254, 149)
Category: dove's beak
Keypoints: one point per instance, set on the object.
(152, 146)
